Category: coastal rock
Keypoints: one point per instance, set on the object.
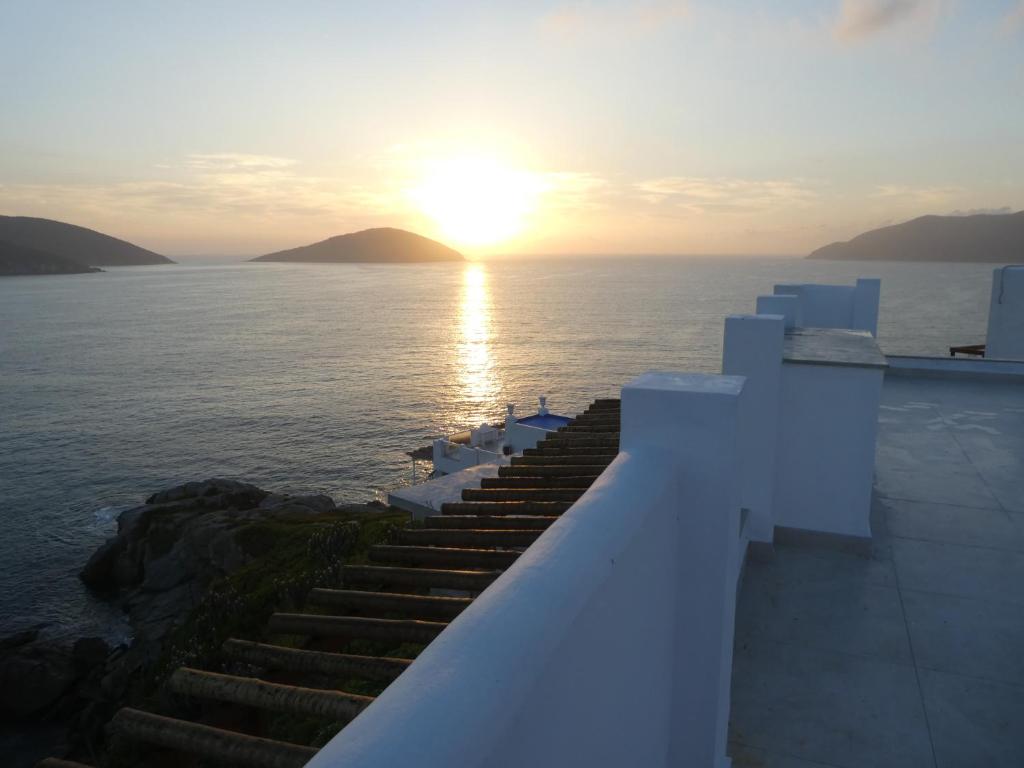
(168, 551)
(36, 674)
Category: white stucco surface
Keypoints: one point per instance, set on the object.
(1005, 338)
(426, 498)
(904, 654)
(753, 348)
(609, 642)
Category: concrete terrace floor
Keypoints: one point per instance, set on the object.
(912, 653)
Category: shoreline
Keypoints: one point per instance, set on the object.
(179, 563)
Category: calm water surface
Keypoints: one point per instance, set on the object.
(320, 377)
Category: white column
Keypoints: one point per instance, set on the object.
(787, 305)
(753, 348)
(1005, 339)
(866, 297)
(694, 420)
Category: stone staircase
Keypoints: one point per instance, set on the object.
(363, 636)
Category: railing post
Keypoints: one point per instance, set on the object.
(866, 298)
(692, 420)
(787, 305)
(753, 348)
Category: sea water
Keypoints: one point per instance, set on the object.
(321, 377)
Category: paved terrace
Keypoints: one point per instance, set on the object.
(910, 653)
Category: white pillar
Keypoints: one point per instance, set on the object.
(1005, 339)
(753, 348)
(694, 420)
(866, 297)
(785, 304)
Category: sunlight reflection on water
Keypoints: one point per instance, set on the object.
(477, 375)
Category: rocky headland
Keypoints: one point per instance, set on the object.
(385, 245)
(193, 565)
(981, 237)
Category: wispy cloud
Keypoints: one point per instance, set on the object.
(208, 184)
(933, 195)
(617, 18)
(1012, 22)
(861, 19)
(724, 195)
(975, 211)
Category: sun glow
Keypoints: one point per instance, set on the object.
(477, 201)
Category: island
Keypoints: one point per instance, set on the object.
(78, 244)
(984, 237)
(381, 245)
(18, 260)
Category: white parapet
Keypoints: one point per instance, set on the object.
(787, 305)
(609, 641)
(753, 348)
(1006, 315)
(854, 307)
(831, 390)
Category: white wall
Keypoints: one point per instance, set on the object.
(753, 348)
(836, 306)
(825, 461)
(609, 642)
(1006, 315)
(523, 436)
(452, 457)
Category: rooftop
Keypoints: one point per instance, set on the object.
(905, 651)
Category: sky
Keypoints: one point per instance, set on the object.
(600, 127)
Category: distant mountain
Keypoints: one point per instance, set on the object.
(384, 245)
(984, 237)
(19, 260)
(86, 246)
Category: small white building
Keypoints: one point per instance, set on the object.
(489, 444)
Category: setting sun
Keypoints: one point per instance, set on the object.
(477, 201)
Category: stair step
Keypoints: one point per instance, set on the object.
(516, 522)
(251, 692)
(340, 665)
(552, 470)
(389, 630)
(479, 537)
(376, 603)
(425, 578)
(496, 508)
(598, 418)
(522, 494)
(589, 429)
(443, 556)
(209, 742)
(572, 450)
(605, 402)
(580, 440)
(581, 483)
(563, 459)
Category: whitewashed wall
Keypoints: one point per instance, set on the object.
(1006, 315)
(609, 642)
(836, 306)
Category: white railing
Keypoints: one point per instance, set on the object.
(833, 306)
(609, 642)
(452, 457)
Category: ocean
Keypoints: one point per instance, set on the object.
(321, 377)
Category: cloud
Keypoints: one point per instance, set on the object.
(233, 161)
(231, 197)
(920, 196)
(975, 211)
(724, 195)
(861, 19)
(612, 19)
(1013, 22)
